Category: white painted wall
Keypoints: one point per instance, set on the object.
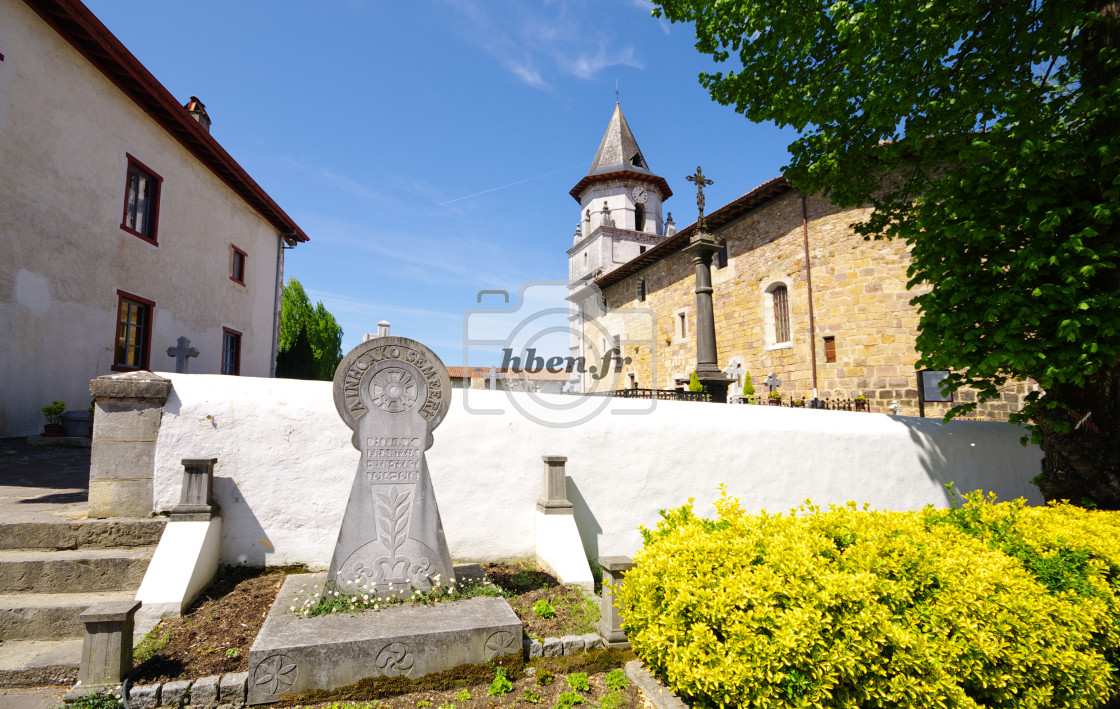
(65, 131)
(285, 464)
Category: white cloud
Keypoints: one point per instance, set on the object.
(542, 43)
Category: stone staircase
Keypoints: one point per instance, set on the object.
(50, 572)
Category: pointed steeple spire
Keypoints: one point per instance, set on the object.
(618, 150)
(618, 157)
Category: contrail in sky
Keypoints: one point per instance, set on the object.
(492, 189)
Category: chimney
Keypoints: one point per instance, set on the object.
(383, 328)
(198, 111)
(670, 226)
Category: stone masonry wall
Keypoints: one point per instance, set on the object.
(859, 298)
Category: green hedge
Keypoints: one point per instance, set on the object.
(983, 605)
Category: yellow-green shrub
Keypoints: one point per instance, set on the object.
(855, 608)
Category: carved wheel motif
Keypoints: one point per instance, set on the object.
(276, 674)
(395, 659)
(422, 570)
(502, 642)
(393, 390)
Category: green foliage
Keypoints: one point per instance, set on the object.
(233, 653)
(694, 383)
(611, 701)
(985, 138)
(616, 679)
(578, 682)
(748, 385)
(151, 644)
(323, 334)
(463, 695)
(544, 678)
(543, 609)
(54, 411)
(531, 695)
(994, 605)
(101, 700)
(568, 699)
(501, 684)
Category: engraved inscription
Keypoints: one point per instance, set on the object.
(391, 460)
(394, 394)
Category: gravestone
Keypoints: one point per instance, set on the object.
(392, 392)
(182, 352)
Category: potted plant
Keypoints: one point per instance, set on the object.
(861, 403)
(775, 398)
(78, 423)
(54, 411)
(694, 383)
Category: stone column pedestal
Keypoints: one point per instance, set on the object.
(701, 247)
(129, 407)
(610, 615)
(106, 648)
(555, 500)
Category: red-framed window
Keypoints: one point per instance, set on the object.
(237, 265)
(141, 201)
(231, 351)
(132, 350)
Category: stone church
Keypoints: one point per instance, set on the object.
(795, 292)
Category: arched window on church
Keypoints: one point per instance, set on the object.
(721, 256)
(780, 296)
(639, 217)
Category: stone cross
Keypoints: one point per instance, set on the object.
(700, 181)
(493, 378)
(392, 392)
(772, 381)
(181, 352)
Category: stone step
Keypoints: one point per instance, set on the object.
(31, 663)
(92, 533)
(49, 616)
(73, 570)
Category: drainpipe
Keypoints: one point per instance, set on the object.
(280, 248)
(809, 286)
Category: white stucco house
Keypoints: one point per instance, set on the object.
(124, 225)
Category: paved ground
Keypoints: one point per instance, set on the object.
(40, 484)
(32, 697)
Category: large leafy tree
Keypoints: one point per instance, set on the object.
(985, 133)
(306, 331)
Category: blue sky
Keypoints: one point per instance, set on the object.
(427, 148)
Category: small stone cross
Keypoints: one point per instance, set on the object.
(700, 181)
(772, 381)
(493, 378)
(181, 352)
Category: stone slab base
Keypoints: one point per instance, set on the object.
(294, 653)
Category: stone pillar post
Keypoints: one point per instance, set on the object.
(122, 462)
(107, 646)
(701, 247)
(610, 615)
(195, 504)
(555, 500)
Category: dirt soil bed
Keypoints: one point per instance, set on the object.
(215, 635)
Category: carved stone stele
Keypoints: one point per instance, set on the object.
(392, 392)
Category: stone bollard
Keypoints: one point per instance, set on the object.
(555, 500)
(122, 460)
(610, 615)
(195, 499)
(106, 648)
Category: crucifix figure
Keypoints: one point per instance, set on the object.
(181, 352)
(700, 181)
